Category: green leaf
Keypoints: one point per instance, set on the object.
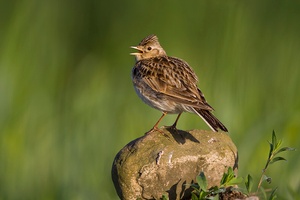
(271, 150)
(277, 159)
(164, 197)
(274, 138)
(224, 179)
(194, 197)
(249, 183)
(234, 181)
(203, 195)
(214, 197)
(285, 149)
(202, 182)
(277, 145)
(273, 194)
(227, 176)
(230, 170)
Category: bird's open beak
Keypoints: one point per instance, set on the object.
(140, 51)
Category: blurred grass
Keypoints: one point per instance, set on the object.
(67, 104)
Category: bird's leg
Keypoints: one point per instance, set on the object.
(175, 123)
(173, 128)
(156, 124)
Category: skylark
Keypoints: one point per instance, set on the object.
(169, 84)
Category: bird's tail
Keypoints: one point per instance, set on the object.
(210, 120)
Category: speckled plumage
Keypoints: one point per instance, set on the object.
(169, 84)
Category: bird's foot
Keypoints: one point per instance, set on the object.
(154, 129)
(172, 128)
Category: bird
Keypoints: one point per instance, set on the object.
(169, 84)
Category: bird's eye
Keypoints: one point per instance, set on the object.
(149, 48)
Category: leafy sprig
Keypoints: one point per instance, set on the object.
(275, 149)
(202, 192)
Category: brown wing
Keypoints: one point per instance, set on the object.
(174, 78)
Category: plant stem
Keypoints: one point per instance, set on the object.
(271, 155)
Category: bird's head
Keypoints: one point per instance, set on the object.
(149, 47)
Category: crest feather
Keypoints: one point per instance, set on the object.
(149, 39)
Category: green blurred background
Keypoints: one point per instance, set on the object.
(67, 104)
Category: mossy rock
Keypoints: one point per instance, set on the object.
(167, 161)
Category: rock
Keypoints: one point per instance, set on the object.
(167, 161)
